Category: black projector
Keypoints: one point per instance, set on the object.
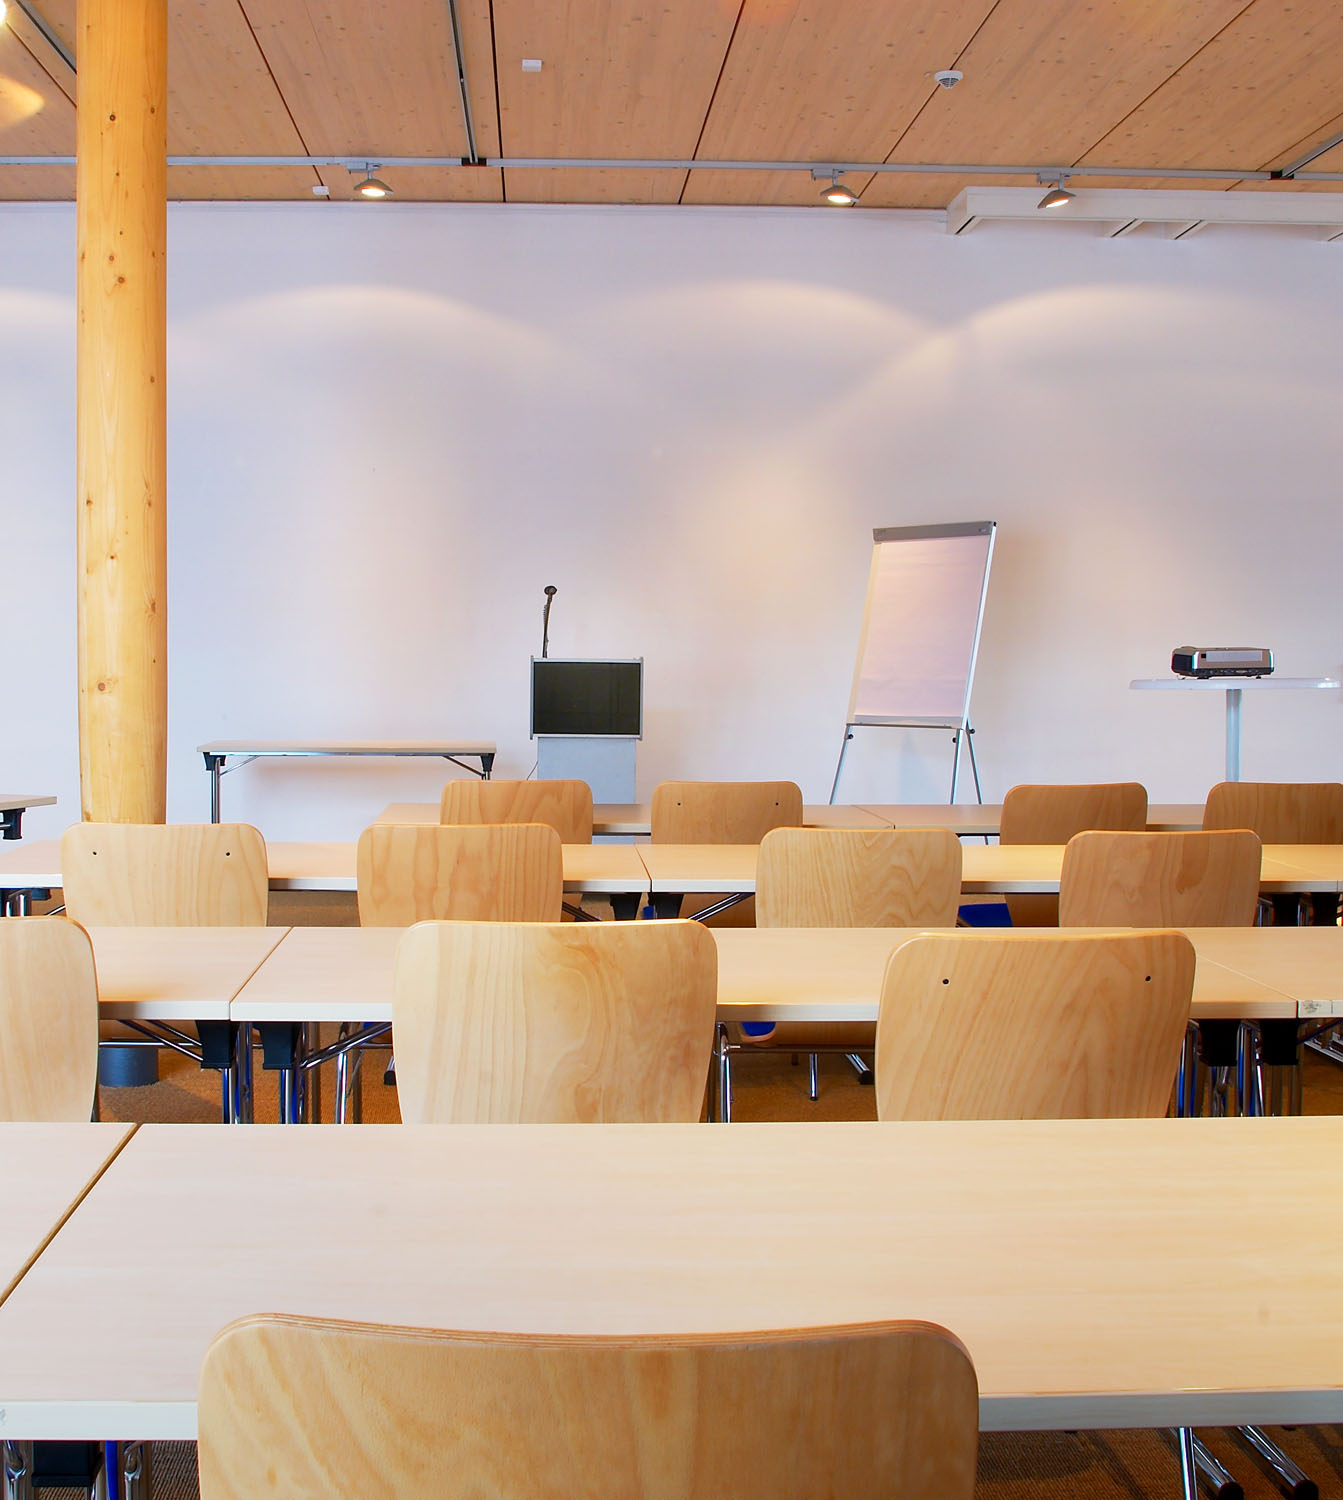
(1221, 661)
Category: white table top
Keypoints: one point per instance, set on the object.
(176, 973)
(1228, 684)
(1073, 1258)
(764, 974)
(46, 1170)
(347, 747)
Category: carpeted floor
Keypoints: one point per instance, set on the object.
(1034, 1466)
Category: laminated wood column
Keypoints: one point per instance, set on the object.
(120, 189)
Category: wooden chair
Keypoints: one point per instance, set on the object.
(528, 1023)
(1160, 879)
(500, 872)
(1043, 814)
(720, 812)
(165, 875)
(723, 812)
(294, 1406)
(1048, 1026)
(48, 1021)
(1280, 812)
(824, 877)
(566, 806)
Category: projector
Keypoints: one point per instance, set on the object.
(1221, 661)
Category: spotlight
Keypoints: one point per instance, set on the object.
(371, 186)
(1057, 195)
(838, 194)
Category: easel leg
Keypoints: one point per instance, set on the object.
(843, 750)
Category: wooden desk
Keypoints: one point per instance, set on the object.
(13, 805)
(1071, 1257)
(967, 818)
(588, 868)
(986, 869)
(46, 1170)
(1305, 963)
(218, 752)
(764, 974)
(634, 817)
(176, 973)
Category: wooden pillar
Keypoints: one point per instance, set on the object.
(121, 191)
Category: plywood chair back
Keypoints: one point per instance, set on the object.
(566, 806)
(1160, 880)
(1032, 1026)
(527, 1023)
(165, 874)
(291, 1406)
(1280, 812)
(48, 1020)
(723, 812)
(1048, 814)
(858, 877)
(494, 872)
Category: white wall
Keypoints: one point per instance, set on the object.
(391, 425)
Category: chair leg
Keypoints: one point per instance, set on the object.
(1218, 1480)
(1293, 1482)
(1184, 1440)
(813, 1076)
(723, 1060)
(16, 1470)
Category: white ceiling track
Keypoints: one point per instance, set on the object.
(1179, 214)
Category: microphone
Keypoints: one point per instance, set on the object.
(551, 591)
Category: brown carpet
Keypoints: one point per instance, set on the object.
(1027, 1466)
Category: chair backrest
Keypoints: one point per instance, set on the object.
(1044, 814)
(292, 1406)
(165, 874)
(566, 806)
(723, 812)
(48, 1020)
(1053, 814)
(527, 1023)
(1160, 880)
(1280, 812)
(492, 872)
(1056, 1026)
(858, 877)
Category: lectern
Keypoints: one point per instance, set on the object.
(587, 721)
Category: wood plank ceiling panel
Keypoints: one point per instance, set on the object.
(816, 80)
(222, 101)
(619, 78)
(372, 80)
(1044, 81)
(1267, 81)
(36, 119)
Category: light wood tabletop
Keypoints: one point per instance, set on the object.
(176, 973)
(260, 748)
(593, 868)
(609, 818)
(987, 869)
(46, 1169)
(764, 974)
(1305, 963)
(1066, 1255)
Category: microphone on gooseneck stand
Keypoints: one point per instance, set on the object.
(551, 591)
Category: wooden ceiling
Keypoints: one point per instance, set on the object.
(1241, 85)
